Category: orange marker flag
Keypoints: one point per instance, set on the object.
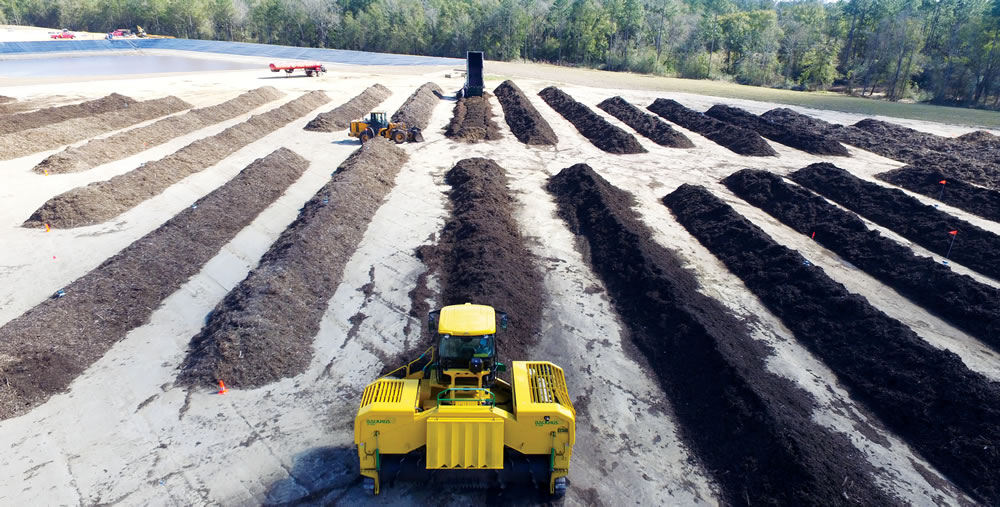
(222, 388)
(47, 228)
(953, 232)
(943, 182)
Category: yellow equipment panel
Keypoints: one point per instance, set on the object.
(467, 320)
(470, 443)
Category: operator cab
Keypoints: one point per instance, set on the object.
(377, 121)
(466, 350)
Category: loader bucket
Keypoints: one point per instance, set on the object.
(415, 136)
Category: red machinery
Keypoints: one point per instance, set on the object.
(312, 69)
(65, 34)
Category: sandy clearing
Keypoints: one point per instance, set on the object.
(294, 437)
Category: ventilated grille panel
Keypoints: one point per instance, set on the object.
(548, 385)
(383, 391)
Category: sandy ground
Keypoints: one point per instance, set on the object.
(124, 434)
(16, 33)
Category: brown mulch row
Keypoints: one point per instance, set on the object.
(26, 142)
(130, 142)
(416, 111)
(264, 328)
(800, 140)
(593, 126)
(752, 430)
(341, 117)
(982, 138)
(525, 122)
(43, 350)
(945, 411)
(52, 115)
(5, 99)
(103, 200)
(472, 120)
(736, 139)
(657, 130)
(966, 303)
(972, 162)
(974, 247)
(977, 200)
(482, 258)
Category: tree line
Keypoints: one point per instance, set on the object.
(943, 51)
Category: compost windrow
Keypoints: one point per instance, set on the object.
(487, 257)
(416, 111)
(893, 209)
(263, 330)
(472, 120)
(482, 258)
(525, 122)
(752, 429)
(53, 115)
(593, 126)
(971, 162)
(983, 153)
(927, 396)
(736, 139)
(26, 142)
(130, 142)
(48, 346)
(798, 139)
(983, 202)
(967, 304)
(341, 117)
(657, 130)
(103, 200)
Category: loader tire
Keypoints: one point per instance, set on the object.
(367, 135)
(398, 136)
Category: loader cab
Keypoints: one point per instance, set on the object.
(466, 343)
(377, 121)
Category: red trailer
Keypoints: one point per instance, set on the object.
(312, 69)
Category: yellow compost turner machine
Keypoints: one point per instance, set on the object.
(447, 417)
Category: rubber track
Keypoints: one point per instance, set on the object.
(959, 299)
(650, 126)
(593, 126)
(264, 328)
(925, 225)
(103, 200)
(798, 139)
(752, 429)
(736, 139)
(127, 143)
(948, 413)
(50, 345)
(977, 200)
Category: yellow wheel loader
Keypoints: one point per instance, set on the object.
(448, 417)
(378, 125)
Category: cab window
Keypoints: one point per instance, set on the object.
(466, 347)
